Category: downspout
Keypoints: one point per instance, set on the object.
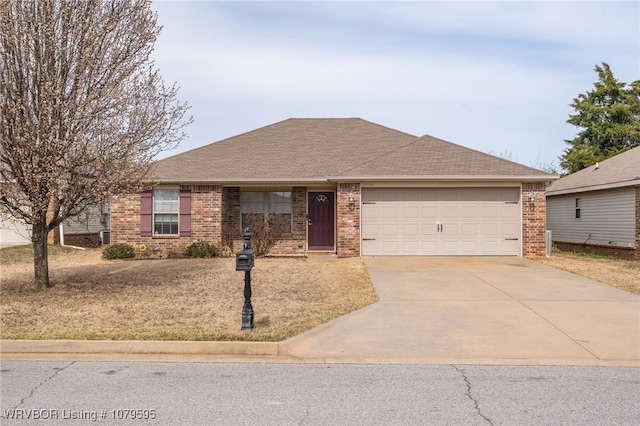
(62, 240)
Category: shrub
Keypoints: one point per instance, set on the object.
(118, 251)
(265, 233)
(202, 249)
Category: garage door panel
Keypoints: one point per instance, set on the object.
(450, 228)
(450, 247)
(390, 212)
(441, 221)
(469, 229)
(429, 212)
(370, 227)
(390, 247)
(489, 247)
(509, 211)
(428, 229)
(449, 212)
(468, 212)
(429, 247)
(509, 246)
(391, 229)
(469, 247)
(489, 212)
(410, 229)
(410, 211)
(489, 229)
(410, 247)
(508, 229)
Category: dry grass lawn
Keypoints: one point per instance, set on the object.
(623, 274)
(175, 299)
(202, 299)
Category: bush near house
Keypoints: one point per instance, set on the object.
(265, 233)
(118, 251)
(202, 249)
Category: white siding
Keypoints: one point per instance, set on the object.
(608, 216)
(13, 233)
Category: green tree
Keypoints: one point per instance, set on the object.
(609, 116)
(83, 112)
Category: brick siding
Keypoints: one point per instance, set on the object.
(215, 217)
(627, 253)
(348, 220)
(534, 220)
(206, 222)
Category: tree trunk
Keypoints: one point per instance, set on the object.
(40, 255)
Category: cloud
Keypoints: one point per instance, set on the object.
(494, 76)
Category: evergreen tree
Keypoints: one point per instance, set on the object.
(609, 116)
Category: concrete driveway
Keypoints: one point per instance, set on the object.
(480, 310)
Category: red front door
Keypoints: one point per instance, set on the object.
(321, 221)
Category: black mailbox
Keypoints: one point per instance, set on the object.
(244, 260)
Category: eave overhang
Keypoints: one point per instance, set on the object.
(629, 183)
(440, 178)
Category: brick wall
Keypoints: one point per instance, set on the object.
(206, 222)
(87, 239)
(348, 220)
(627, 253)
(534, 220)
(292, 244)
(231, 226)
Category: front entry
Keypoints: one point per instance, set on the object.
(321, 221)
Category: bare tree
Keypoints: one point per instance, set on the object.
(83, 111)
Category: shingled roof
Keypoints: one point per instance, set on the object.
(318, 150)
(618, 171)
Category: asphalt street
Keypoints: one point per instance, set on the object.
(137, 393)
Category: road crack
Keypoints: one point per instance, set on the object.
(469, 393)
(39, 385)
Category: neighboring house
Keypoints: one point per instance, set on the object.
(345, 186)
(14, 233)
(87, 230)
(597, 209)
(90, 229)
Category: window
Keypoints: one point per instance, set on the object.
(265, 203)
(165, 211)
(578, 208)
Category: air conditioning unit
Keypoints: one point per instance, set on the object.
(105, 237)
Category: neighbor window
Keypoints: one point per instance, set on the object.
(265, 203)
(578, 208)
(165, 211)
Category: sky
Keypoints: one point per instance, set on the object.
(498, 77)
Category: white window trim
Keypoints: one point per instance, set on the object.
(153, 211)
(265, 206)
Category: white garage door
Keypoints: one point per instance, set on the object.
(440, 221)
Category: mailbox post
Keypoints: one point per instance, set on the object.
(244, 262)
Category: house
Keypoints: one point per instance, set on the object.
(13, 233)
(597, 209)
(89, 229)
(345, 186)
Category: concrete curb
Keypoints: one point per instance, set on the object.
(132, 347)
